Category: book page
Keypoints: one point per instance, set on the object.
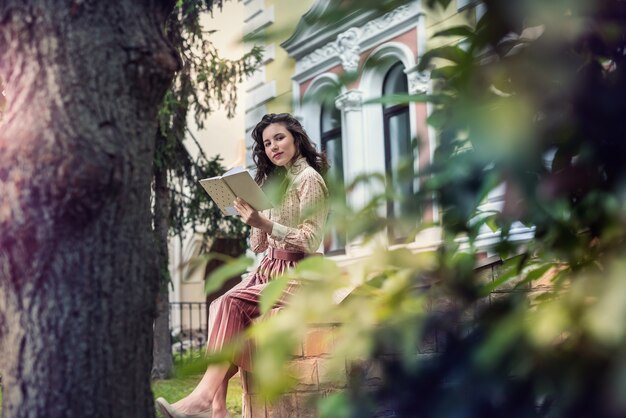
(244, 186)
(233, 170)
(221, 194)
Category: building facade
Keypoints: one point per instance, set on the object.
(328, 74)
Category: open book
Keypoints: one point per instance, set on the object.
(234, 183)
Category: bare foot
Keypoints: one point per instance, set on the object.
(192, 405)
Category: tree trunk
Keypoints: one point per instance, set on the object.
(162, 362)
(78, 280)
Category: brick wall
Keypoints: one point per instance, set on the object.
(310, 364)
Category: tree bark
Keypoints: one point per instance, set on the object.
(78, 280)
(162, 362)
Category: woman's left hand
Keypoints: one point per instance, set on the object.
(251, 216)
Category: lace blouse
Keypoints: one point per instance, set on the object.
(299, 221)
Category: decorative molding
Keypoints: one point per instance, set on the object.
(419, 81)
(351, 100)
(348, 45)
(328, 51)
(383, 23)
(312, 32)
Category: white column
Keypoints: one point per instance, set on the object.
(354, 153)
(351, 105)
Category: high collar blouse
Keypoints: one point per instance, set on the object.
(298, 222)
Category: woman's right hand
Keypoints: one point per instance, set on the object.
(252, 217)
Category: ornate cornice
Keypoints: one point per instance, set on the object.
(350, 100)
(390, 19)
(328, 51)
(419, 81)
(348, 45)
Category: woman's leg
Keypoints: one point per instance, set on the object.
(219, 400)
(203, 395)
(229, 315)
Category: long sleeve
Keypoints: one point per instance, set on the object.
(312, 208)
(258, 240)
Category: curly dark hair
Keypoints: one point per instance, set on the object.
(265, 168)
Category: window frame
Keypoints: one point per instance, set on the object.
(388, 113)
(325, 138)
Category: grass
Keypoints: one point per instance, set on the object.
(175, 389)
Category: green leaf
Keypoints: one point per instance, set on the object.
(445, 72)
(402, 99)
(231, 269)
(442, 3)
(316, 268)
(499, 341)
(536, 273)
(492, 222)
(202, 260)
(272, 293)
(511, 268)
(437, 119)
(462, 31)
(448, 52)
(336, 405)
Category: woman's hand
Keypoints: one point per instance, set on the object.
(252, 217)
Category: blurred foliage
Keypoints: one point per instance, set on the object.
(531, 99)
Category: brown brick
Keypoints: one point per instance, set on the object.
(298, 350)
(484, 275)
(307, 404)
(305, 372)
(495, 296)
(366, 371)
(512, 283)
(318, 341)
(284, 407)
(332, 373)
(545, 282)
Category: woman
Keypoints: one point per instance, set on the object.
(283, 154)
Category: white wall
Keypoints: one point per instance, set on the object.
(221, 135)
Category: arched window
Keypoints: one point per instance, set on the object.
(330, 128)
(399, 157)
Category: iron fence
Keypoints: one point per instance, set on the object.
(188, 326)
